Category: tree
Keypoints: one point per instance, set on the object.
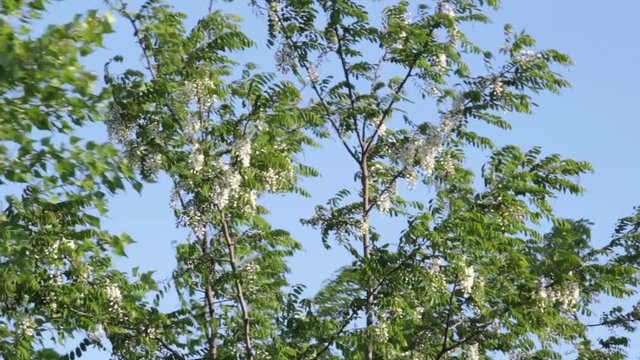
(479, 270)
(58, 281)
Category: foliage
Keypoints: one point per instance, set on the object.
(483, 267)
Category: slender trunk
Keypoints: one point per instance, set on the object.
(366, 253)
(239, 292)
(209, 300)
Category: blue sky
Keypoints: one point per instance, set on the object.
(595, 120)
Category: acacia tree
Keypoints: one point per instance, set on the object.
(59, 286)
(472, 274)
(479, 270)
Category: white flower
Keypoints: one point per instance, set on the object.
(526, 56)
(429, 150)
(275, 179)
(497, 86)
(542, 293)
(381, 332)
(201, 91)
(234, 179)
(84, 273)
(441, 61)
(196, 158)
(412, 179)
(251, 270)
(243, 151)
(118, 128)
(446, 9)
(174, 198)
(313, 74)
(406, 18)
(284, 59)
(67, 243)
(274, 8)
(196, 221)
(382, 129)
(26, 325)
(568, 296)
(505, 48)
(96, 334)
(474, 352)
(363, 227)
(113, 294)
(151, 164)
(434, 91)
(408, 154)
(435, 266)
(54, 247)
(448, 165)
(383, 202)
(253, 195)
(468, 279)
(192, 128)
(221, 196)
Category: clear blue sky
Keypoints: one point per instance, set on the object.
(595, 120)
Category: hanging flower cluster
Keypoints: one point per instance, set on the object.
(565, 296)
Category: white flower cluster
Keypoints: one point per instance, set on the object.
(151, 164)
(505, 48)
(441, 61)
(26, 325)
(446, 9)
(250, 270)
(226, 185)
(466, 283)
(525, 56)
(567, 296)
(435, 269)
(275, 179)
(201, 91)
(434, 91)
(252, 197)
(67, 244)
(174, 198)
(313, 74)
(426, 150)
(285, 59)
(51, 299)
(381, 332)
(192, 128)
(96, 334)
(196, 221)
(382, 129)
(118, 128)
(84, 272)
(113, 295)
(363, 227)
(412, 178)
(474, 352)
(383, 202)
(449, 166)
(497, 87)
(242, 151)
(274, 9)
(196, 158)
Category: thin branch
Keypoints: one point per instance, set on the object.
(173, 351)
(238, 284)
(318, 93)
(445, 335)
(349, 84)
(396, 93)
